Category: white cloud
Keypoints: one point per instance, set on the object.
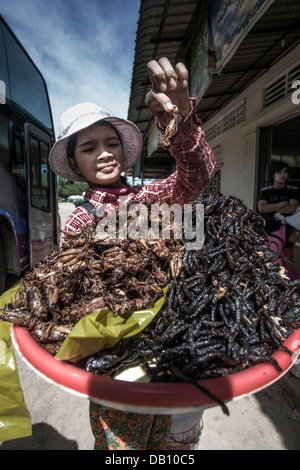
(84, 49)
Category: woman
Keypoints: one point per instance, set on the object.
(96, 147)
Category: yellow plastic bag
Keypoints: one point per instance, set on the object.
(15, 420)
(101, 330)
(94, 332)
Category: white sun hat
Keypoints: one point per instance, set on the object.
(81, 116)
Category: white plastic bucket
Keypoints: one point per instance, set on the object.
(185, 431)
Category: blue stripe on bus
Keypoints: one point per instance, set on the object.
(19, 224)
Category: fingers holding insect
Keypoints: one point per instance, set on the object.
(160, 105)
(182, 75)
(169, 88)
(162, 74)
(164, 77)
(170, 76)
(159, 102)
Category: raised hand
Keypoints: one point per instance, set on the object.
(169, 89)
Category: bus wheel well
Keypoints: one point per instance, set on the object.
(8, 242)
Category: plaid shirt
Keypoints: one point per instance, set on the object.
(195, 170)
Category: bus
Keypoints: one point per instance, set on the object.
(28, 202)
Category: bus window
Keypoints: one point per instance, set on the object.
(4, 71)
(4, 142)
(44, 166)
(18, 161)
(34, 157)
(39, 174)
(27, 88)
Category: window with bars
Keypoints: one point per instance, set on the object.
(226, 122)
(281, 86)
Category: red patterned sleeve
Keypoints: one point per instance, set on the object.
(195, 164)
(79, 218)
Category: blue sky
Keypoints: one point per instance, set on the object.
(83, 48)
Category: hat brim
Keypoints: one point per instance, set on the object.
(128, 132)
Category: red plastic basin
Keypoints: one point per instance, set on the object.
(158, 398)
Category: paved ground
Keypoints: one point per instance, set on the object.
(269, 420)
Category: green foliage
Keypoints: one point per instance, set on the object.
(66, 188)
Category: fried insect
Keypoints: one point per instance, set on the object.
(231, 307)
(94, 271)
(170, 132)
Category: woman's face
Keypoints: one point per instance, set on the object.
(99, 156)
(280, 177)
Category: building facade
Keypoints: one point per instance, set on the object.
(244, 68)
